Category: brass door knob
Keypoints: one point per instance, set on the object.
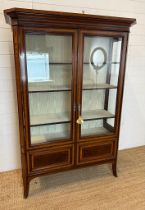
(80, 120)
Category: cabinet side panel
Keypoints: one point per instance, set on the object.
(20, 99)
(121, 87)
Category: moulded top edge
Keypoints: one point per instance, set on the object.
(13, 13)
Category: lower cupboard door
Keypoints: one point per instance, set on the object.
(51, 159)
(95, 152)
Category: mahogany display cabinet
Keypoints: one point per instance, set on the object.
(70, 72)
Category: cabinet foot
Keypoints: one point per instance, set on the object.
(26, 188)
(114, 169)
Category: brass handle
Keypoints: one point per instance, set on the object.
(80, 120)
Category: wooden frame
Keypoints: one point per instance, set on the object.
(74, 49)
(115, 34)
(46, 158)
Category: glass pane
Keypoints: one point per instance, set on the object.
(45, 133)
(94, 127)
(49, 70)
(101, 63)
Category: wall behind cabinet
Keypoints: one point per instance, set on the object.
(133, 118)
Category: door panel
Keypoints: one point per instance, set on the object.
(100, 66)
(51, 159)
(95, 152)
(50, 85)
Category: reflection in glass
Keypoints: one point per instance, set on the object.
(98, 58)
(35, 62)
(49, 72)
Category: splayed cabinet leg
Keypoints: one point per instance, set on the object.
(26, 187)
(114, 169)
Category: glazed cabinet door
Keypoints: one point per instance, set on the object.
(50, 81)
(102, 56)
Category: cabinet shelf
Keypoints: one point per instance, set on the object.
(95, 131)
(45, 88)
(88, 63)
(59, 118)
(47, 119)
(97, 114)
(50, 137)
(59, 88)
(60, 63)
(85, 63)
(99, 86)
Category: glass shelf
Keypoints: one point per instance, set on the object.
(36, 139)
(95, 131)
(57, 118)
(113, 62)
(35, 88)
(86, 63)
(54, 118)
(59, 63)
(98, 86)
(97, 114)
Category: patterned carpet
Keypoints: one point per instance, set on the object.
(93, 188)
